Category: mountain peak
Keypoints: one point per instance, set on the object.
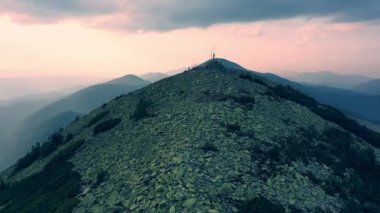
(221, 63)
(212, 63)
(130, 80)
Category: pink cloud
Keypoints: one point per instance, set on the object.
(347, 27)
(167, 15)
(71, 47)
(314, 31)
(114, 22)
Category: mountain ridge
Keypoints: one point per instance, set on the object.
(130, 79)
(211, 139)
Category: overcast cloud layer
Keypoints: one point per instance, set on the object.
(165, 15)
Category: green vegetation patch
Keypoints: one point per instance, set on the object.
(233, 128)
(119, 97)
(97, 118)
(101, 177)
(209, 147)
(236, 129)
(212, 96)
(247, 76)
(141, 111)
(41, 151)
(106, 125)
(69, 137)
(245, 101)
(51, 190)
(2, 185)
(260, 205)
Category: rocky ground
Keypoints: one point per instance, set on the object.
(212, 140)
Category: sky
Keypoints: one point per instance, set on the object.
(117, 37)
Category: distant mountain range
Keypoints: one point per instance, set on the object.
(13, 114)
(79, 103)
(47, 120)
(18, 88)
(370, 87)
(329, 79)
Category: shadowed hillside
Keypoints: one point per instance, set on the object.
(43, 123)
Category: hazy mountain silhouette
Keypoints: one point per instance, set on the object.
(370, 87)
(38, 126)
(153, 76)
(329, 79)
(18, 88)
(130, 80)
(212, 139)
(12, 114)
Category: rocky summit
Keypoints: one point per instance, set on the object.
(214, 138)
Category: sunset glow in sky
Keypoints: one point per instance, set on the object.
(83, 37)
